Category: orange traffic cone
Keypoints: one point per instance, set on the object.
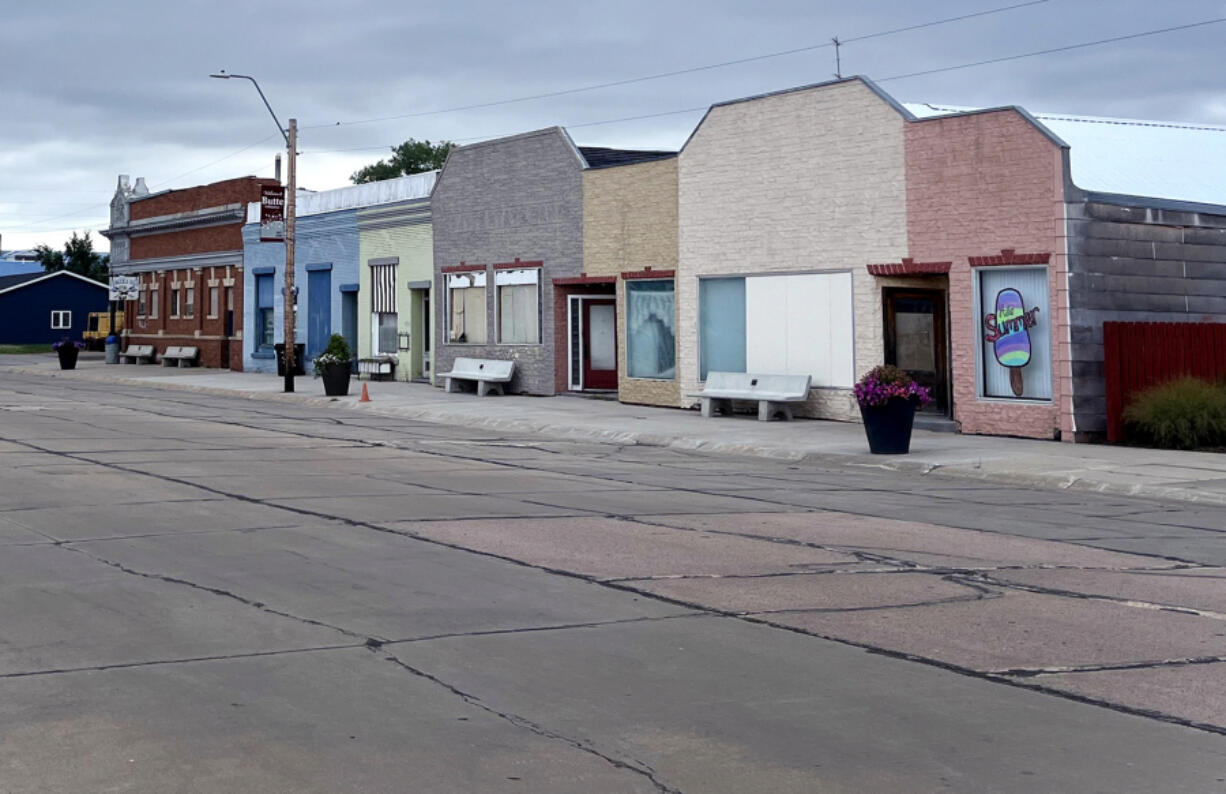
(365, 398)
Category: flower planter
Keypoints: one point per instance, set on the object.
(888, 426)
(68, 356)
(336, 378)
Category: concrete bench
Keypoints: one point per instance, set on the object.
(140, 354)
(769, 391)
(377, 368)
(180, 356)
(487, 373)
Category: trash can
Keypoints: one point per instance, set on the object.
(112, 349)
(299, 358)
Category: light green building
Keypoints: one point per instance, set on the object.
(396, 281)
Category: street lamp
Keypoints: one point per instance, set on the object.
(291, 145)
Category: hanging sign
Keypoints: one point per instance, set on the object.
(124, 288)
(1008, 330)
(272, 214)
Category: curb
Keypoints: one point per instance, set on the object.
(968, 470)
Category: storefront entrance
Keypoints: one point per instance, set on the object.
(916, 340)
(593, 343)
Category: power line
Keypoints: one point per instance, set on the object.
(1003, 59)
(1054, 50)
(677, 72)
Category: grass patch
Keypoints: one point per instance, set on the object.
(25, 349)
(1188, 413)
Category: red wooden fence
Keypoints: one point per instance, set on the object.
(1140, 355)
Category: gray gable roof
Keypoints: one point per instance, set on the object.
(605, 157)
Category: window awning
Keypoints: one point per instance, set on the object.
(909, 267)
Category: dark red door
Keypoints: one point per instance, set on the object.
(599, 344)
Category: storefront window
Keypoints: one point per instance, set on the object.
(1016, 333)
(650, 335)
(265, 325)
(721, 325)
(386, 332)
(518, 306)
(466, 308)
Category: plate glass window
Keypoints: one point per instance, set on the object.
(651, 350)
(1015, 333)
(518, 306)
(466, 308)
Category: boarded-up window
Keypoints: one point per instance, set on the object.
(788, 325)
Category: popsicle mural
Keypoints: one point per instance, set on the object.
(1008, 330)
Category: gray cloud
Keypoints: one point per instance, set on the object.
(93, 90)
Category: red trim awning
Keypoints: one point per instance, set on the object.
(461, 268)
(517, 264)
(648, 273)
(909, 267)
(581, 280)
(1009, 256)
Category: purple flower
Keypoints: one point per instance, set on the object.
(882, 384)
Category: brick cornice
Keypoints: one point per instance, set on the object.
(518, 265)
(579, 280)
(909, 267)
(462, 268)
(1009, 256)
(648, 273)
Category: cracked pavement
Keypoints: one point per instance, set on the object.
(208, 594)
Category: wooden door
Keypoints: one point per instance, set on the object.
(916, 340)
(599, 344)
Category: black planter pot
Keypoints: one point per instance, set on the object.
(888, 426)
(68, 356)
(336, 379)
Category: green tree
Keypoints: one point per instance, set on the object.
(411, 157)
(77, 257)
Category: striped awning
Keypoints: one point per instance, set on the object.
(383, 284)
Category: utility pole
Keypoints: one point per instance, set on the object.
(291, 190)
(291, 144)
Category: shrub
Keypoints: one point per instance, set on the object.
(337, 352)
(1182, 414)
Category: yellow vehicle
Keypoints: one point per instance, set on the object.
(99, 328)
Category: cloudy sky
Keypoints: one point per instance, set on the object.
(92, 90)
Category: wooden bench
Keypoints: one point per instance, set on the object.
(377, 368)
(487, 373)
(180, 356)
(769, 391)
(140, 354)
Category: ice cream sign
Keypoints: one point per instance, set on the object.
(1008, 331)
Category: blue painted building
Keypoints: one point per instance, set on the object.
(44, 307)
(326, 271)
(325, 258)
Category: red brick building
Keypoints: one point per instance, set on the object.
(185, 247)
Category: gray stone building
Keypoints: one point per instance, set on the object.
(508, 263)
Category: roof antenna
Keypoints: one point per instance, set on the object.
(838, 61)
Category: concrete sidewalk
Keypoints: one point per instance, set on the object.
(1163, 474)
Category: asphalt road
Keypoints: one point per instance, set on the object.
(203, 594)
